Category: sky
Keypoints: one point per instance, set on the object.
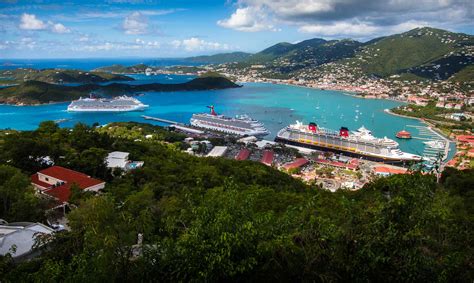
(181, 28)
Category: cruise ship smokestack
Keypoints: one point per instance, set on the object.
(312, 127)
(212, 110)
(344, 132)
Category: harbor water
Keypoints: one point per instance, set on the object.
(274, 105)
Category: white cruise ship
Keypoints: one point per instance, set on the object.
(360, 143)
(118, 104)
(241, 125)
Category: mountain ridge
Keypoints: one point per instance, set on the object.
(426, 53)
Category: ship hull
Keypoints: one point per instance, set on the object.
(228, 131)
(386, 160)
(142, 108)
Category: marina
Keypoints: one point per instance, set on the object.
(430, 135)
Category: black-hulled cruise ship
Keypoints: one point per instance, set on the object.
(360, 143)
(241, 125)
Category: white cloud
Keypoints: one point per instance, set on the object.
(135, 23)
(340, 29)
(247, 19)
(83, 38)
(406, 26)
(196, 44)
(357, 29)
(353, 18)
(27, 42)
(97, 46)
(30, 22)
(291, 8)
(123, 13)
(59, 28)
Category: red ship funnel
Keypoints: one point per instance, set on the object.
(344, 132)
(313, 127)
(212, 110)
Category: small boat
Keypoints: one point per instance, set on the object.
(435, 144)
(403, 135)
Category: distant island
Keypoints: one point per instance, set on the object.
(58, 76)
(146, 69)
(38, 92)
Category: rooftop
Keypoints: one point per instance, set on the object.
(22, 236)
(243, 154)
(389, 170)
(267, 157)
(217, 151)
(117, 159)
(62, 191)
(296, 164)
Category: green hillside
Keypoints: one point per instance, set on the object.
(59, 76)
(271, 53)
(285, 57)
(322, 52)
(222, 220)
(401, 52)
(121, 69)
(35, 92)
(220, 58)
(465, 75)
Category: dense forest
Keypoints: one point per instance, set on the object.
(213, 219)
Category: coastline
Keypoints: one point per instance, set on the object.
(389, 111)
(344, 91)
(433, 129)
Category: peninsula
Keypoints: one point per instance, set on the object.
(58, 76)
(37, 92)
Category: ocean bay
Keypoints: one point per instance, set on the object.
(274, 105)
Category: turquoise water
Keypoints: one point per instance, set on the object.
(89, 63)
(274, 105)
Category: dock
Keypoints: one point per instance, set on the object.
(174, 124)
(160, 120)
(429, 133)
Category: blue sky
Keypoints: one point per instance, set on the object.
(178, 28)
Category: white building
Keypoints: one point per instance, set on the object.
(119, 159)
(217, 151)
(458, 116)
(18, 239)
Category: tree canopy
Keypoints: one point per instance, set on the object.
(213, 219)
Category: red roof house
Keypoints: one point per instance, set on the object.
(466, 139)
(267, 157)
(296, 164)
(243, 154)
(56, 182)
(387, 171)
